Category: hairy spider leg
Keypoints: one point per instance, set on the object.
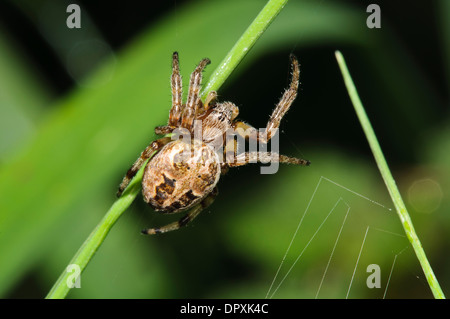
(194, 212)
(210, 103)
(164, 129)
(177, 91)
(285, 102)
(246, 130)
(193, 99)
(177, 103)
(234, 160)
(265, 157)
(177, 110)
(147, 153)
(280, 110)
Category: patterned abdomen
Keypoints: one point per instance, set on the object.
(180, 176)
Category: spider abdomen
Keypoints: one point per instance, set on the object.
(180, 176)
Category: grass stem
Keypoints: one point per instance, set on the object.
(96, 238)
(243, 45)
(389, 180)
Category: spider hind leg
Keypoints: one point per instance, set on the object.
(186, 219)
(265, 157)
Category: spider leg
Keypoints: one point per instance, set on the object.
(265, 157)
(280, 110)
(211, 100)
(147, 153)
(177, 90)
(165, 129)
(285, 102)
(194, 212)
(190, 110)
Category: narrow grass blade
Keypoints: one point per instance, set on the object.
(243, 45)
(98, 235)
(389, 180)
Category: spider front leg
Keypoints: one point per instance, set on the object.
(210, 102)
(280, 110)
(177, 104)
(193, 99)
(147, 153)
(163, 130)
(177, 90)
(194, 212)
(285, 102)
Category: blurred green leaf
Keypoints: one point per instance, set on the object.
(444, 23)
(23, 96)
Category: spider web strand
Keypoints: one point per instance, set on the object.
(292, 240)
(332, 252)
(306, 246)
(357, 261)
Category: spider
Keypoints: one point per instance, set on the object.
(172, 182)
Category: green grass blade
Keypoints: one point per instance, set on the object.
(225, 68)
(389, 180)
(98, 235)
(243, 45)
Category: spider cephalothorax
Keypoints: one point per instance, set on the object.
(183, 173)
